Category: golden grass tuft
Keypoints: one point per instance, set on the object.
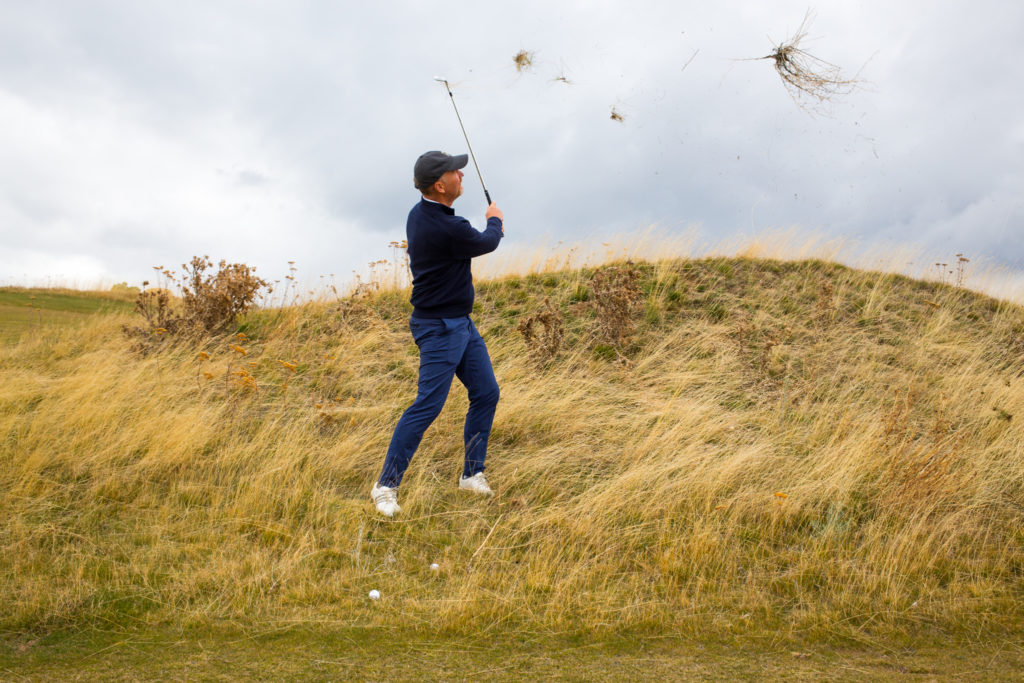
(792, 448)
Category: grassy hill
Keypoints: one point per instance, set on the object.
(784, 452)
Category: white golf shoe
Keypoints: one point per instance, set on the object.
(477, 484)
(386, 500)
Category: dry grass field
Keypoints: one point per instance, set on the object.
(721, 450)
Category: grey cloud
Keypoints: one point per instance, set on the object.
(330, 105)
(248, 178)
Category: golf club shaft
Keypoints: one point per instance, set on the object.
(473, 156)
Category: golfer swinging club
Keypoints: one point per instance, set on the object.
(441, 246)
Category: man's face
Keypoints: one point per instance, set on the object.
(452, 181)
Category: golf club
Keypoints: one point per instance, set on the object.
(449, 89)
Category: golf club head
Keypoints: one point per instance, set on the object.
(441, 79)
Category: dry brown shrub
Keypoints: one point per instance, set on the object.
(212, 301)
(543, 332)
(617, 296)
(207, 303)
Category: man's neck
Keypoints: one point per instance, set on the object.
(439, 200)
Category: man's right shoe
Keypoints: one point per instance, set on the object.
(386, 500)
(477, 484)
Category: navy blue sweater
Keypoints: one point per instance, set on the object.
(441, 245)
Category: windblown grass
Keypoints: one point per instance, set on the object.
(787, 449)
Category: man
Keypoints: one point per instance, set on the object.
(441, 246)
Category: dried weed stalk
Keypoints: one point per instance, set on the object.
(154, 305)
(961, 270)
(692, 57)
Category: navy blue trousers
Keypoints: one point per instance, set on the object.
(449, 347)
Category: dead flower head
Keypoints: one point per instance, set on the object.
(244, 379)
(616, 116)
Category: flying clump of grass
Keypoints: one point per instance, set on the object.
(805, 76)
(523, 60)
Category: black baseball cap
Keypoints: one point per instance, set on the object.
(432, 165)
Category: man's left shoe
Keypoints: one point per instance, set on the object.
(477, 484)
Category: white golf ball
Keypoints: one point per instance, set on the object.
(375, 594)
(435, 566)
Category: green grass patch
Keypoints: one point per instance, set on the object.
(23, 311)
(333, 653)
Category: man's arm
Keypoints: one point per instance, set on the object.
(468, 242)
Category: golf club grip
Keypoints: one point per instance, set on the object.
(488, 196)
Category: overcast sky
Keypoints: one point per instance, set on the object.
(140, 133)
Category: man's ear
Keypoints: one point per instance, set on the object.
(439, 188)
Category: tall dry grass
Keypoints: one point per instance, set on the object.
(777, 449)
